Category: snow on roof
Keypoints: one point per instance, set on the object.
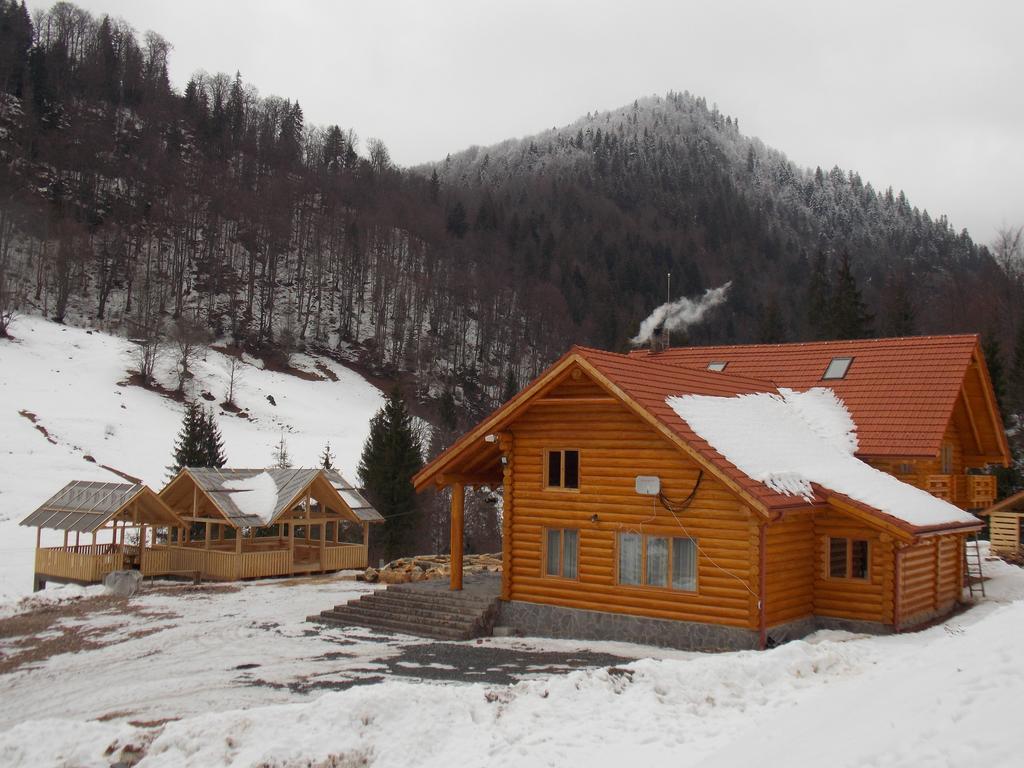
(788, 441)
(255, 496)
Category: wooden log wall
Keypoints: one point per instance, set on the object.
(790, 563)
(931, 578)
(615, 446)
(855, 599)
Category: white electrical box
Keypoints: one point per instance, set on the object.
(648, 485)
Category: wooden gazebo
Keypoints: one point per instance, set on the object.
(253, 523)
(128, 525)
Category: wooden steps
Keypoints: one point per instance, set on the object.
(405, 609)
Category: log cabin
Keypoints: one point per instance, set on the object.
(215, 524)
(627, 516)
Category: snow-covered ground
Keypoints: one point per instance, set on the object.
(208, 677)
(234, 676)
(70, 381)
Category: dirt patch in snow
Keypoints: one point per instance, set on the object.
(34, 636)
(35, 420)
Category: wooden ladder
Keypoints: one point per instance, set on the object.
(972, 566)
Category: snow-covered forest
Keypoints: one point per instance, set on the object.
(129, 205)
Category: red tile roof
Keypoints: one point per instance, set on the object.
(648, 382)
(900, 392)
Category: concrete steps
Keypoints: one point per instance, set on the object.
(422, 612)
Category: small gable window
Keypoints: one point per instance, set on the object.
(837, 368)
(717, 365)
(563, 469)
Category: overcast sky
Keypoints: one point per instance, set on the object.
(927, 97)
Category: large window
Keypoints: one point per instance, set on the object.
(563, 469)
(657, 561)
(562, 552)
(847, 558)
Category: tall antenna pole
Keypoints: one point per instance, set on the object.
(668, 300)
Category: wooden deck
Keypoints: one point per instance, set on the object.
(88, 564)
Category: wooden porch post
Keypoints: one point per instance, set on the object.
(323, 543)
(458, 504)
(78, 535)
(66, 538)
(39, 536)
(238, 541)
(206, 541)
(291, 545)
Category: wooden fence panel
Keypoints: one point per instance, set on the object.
(345, 556)
(154, 562)
(256, 565)
(66, 563)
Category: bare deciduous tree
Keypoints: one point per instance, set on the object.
(9, 302)
(147, 329)
(235, 373)
(188, 337)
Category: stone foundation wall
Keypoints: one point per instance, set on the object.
(577, 624)
(533, 619)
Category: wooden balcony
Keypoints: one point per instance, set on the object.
(965, 491)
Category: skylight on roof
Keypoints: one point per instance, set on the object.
(718, 365)
(837, 368)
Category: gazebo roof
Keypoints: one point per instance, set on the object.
(86, 506)
(222, 486)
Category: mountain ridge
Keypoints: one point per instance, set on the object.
(135, 206)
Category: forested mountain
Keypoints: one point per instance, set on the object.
(132, 206)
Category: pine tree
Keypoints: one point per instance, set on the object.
(213, 443)
(819, 299)
(327, 457)
(771, 325)
(850, 316)
(993, 352)
(282, 460)
(902, 316)
(199, 442)
(391, 455)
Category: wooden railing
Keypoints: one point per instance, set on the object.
(341, 556)
(980, 490)
(967, 491)
(84, 563)
(90, 563)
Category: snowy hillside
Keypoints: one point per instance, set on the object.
(65, 396)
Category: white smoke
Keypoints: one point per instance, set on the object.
(682, 313)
